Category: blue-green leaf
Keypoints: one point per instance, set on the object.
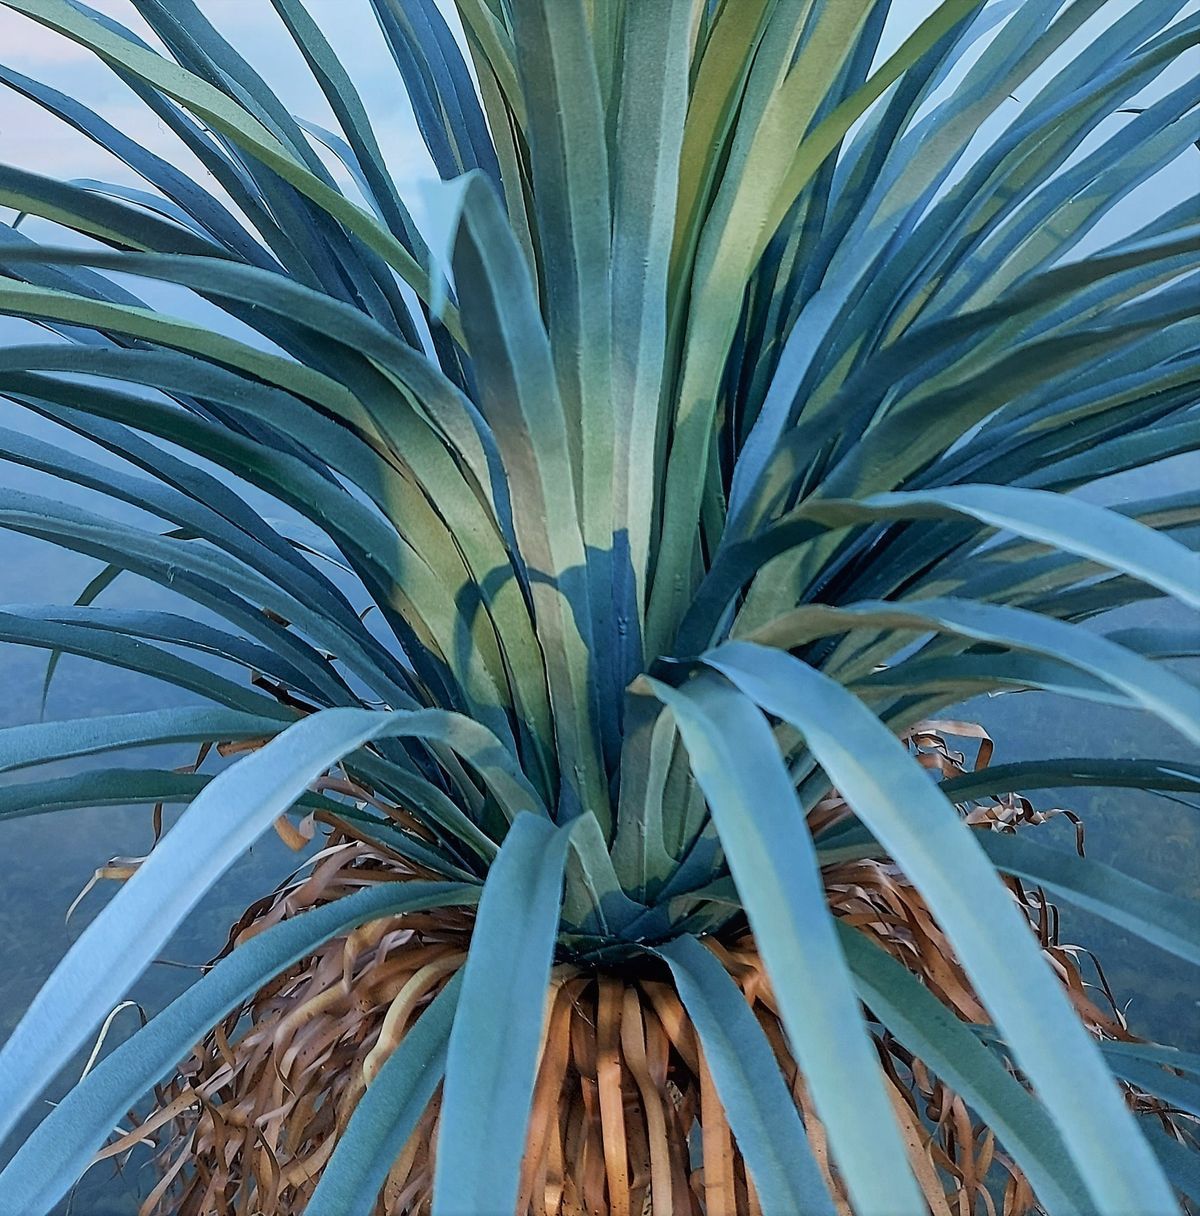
(770, 853)
(1169, 921)
(922, 831)
(58, 1151)
(1167, 695)
(387, 1113)
(44, 741)
(761, 1111)
(494, 1046)
(234, 809)
(932, 1032)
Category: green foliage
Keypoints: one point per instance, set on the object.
(744, 442)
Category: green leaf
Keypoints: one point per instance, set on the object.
(439, 86)
(1070, 772)
(1065, 523)
(594, 901)
(522, 403)
(1154, 1053)
(383, 563)
(106, 219)
(822, 140)
(90, 593)
(233, 810)
(569, 159)
(764, 175)
(228, 118)
(351, 115)
(958, 676)
(32, 629)
(310, 313)
(206, 575)
(388, 1112)
(639, 849)
(645, 171)
(1169, 921)
(936, 1036)
(45, 741)
(771, 856)
(1181, 1092)
(893, 796)
(58, 1151)
(1180, 1163)
(761, 1111)
(100, 787)
(495, 1042)
(197, 203)
(1168, 696)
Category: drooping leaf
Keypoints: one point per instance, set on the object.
(771, 856)
(925, 836)
(1169, 921)
(57, 1152)
(494, 1043)
(943, 1043)
(234, 809)
(761, 1112)
(388, 1112)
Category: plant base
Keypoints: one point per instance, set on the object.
(626, 1120)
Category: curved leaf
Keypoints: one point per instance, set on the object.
(926, 1027)
(1050, 774)
(223, 115)
(492, 1057)
(1068, 524)
(1168, 696)
(58, 1151)
(233, 810)
(771, 856)
(45, 741)
(942, 857)
(523, 405)
(388, 1112)
(761, 1112)
(1169, 921)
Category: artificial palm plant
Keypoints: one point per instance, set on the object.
(732, 438)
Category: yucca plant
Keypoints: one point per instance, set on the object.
(732, 438)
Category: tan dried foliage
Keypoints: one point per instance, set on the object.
(624, 1105)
